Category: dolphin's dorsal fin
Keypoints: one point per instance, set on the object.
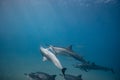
(52, 77)
(79, 76)
(69, 47)
(44, 58)
(93, 63)
(112, 70)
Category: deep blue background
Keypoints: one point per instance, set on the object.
(27, 24)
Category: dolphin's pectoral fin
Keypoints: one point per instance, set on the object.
(44, 58)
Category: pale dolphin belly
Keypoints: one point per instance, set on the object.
(55, 60)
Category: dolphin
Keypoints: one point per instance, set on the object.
(92, 66)
(67, 51)
(31, 76)
(72, 77)
(48, 55)
(39, 76)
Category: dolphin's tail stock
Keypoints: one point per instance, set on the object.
(63, 71)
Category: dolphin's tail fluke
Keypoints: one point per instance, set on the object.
(63, 71)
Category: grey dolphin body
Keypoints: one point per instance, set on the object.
(67, 51)
(72, 77)
(92, 66)
(40, 76)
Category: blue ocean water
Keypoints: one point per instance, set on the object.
(91, 26)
